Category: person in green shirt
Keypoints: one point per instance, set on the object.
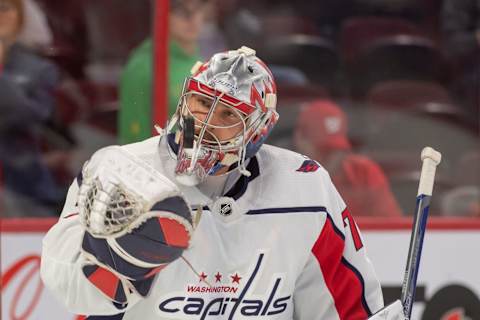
(135, 114)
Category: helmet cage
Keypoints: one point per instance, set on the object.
(251, 119)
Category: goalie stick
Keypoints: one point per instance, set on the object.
(430, 159)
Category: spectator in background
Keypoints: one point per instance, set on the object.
(26, 105)
(464, 199)
(321, 134)
(460, 24)
(462, 202)
(36, 33)
(135, 114)
(212, 39)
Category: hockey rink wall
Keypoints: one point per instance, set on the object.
(449, 277)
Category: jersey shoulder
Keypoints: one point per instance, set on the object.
(286, 163)
(296, 179)
(146, 150)
(148, 146)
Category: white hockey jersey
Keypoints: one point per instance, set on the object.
(279, 244)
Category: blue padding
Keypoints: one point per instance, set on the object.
(176, 205)
(149, 250)
(143, 286)
(101, 250)
(115, 317)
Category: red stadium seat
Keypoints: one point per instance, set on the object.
(423, 98)
(396, 58)
(402, 169)
(315, 56)
(359, 32)
(407, 94)
(87, 32)
(302, 93)
(284, 23)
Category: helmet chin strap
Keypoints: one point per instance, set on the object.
(242, 160)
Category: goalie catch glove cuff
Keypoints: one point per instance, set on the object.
(136, 222)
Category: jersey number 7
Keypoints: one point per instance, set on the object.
(357, 241)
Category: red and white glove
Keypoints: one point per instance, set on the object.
(136, 222)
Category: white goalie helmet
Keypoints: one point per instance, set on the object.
(225, 113)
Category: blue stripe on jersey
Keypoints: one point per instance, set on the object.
(114, 317)
(287, 210)
(360, 278)
(298, 210)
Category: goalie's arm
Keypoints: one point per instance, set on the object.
(62, 261)
(338, 280)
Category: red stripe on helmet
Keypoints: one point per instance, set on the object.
(274, 86)
(202, 68)
(197, 86)
(256, 99)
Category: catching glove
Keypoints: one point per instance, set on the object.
(136, 222)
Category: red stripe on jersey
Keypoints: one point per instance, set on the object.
(357, 241)
(344, 286)
(71, 215)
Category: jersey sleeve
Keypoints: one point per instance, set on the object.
(62, 262)
(338, 280)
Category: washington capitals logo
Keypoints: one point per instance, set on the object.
(231, 297)
(309, 166)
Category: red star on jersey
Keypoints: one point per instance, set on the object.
(236, 278)
(218, 277)
(203, 276)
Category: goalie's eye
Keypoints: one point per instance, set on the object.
(204, 102)
(229, 114)
(198, 102)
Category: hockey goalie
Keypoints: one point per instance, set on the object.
(204, 221)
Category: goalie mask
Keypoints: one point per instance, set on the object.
(225, 113)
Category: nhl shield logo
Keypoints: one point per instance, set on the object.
(225, 209)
